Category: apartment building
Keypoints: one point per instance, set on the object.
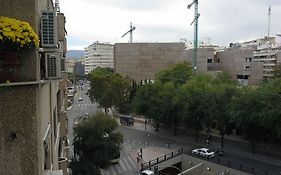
(33, 121)
(267, 50)
(98, 55)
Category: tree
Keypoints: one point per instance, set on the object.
(277, 71)
(96, 141)
(178, 73)
(224, 91)
(195, 99)
(108, 88)
(148, 102)
(248, 112)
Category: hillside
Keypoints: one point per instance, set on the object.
(75, 54)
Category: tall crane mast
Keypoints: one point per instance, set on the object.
(57, 6)
(195, 41)
(132, 28)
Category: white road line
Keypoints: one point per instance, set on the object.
(119, 170)
(112, 171)
(122, 164)
(127, 164)
(131, 161)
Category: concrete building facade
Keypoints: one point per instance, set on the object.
(142, 61)
(238, 62)
(33, 121)
(267, 50)
(98, 55)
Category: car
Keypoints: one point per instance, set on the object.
(204, 152)
(219, 152)
(80, 99)
(147, 172)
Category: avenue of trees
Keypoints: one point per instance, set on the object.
(96, 141)
(202, 102)
(197, 103)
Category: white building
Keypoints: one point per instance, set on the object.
(98, 55)
(266, 50)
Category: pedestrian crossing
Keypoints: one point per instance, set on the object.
(82, 104)
(126, 165)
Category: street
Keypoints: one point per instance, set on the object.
(137, 137)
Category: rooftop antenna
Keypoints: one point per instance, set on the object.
(132, 28)
(268, 27)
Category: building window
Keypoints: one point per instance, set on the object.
(209, 60)
(248, 59)
(247, 68)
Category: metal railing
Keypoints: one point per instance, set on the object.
(151, 163)
(235, 165)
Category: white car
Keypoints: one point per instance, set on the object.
(147, 172)
(80, 99)
(204, 152)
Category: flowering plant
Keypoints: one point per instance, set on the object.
(16, 35)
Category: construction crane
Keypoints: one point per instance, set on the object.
(195, 41)
(131, 33)
(57, 6)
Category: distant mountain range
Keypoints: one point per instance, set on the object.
(75, 54)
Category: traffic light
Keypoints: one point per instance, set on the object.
(156, 172)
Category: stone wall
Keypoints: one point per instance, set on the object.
(142, 61)
(18, 131)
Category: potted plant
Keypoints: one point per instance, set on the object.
(15, 37)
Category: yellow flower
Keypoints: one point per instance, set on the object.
(17, 32)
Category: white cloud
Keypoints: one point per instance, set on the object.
(223, 21)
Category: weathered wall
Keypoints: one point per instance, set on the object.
(208, 168)
(233, 61)
(203, 54)
(18, 131)
(143, 60)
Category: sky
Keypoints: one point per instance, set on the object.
(221, 21)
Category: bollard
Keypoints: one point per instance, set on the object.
(165, 157)
(157, 160)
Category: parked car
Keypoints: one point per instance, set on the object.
(147, 172)
(204, 152)
(219, 152)
(116, 158)
(126, 120)
(80, 99)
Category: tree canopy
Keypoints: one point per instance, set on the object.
(96, 141)
(107, 88)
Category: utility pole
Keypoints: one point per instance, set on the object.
(268, 27)
(195, 41)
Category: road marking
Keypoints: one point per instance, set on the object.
(112, 171)
(122, 164)
(131, 161)
(127, 164)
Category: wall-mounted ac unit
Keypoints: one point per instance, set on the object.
(49, 36)
(53, 65)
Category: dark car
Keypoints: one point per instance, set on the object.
(219, 152)
(127, 120)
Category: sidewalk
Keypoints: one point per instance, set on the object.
(188, 140)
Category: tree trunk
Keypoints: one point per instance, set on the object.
(176, 129)
(253, 145)
(197, 135)
(222, 138)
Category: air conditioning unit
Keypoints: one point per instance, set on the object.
(49, 36)
(53, 65)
